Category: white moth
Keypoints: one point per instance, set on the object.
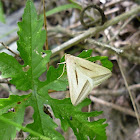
(83, 76)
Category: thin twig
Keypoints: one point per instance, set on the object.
(45, 26)
(111, 11)
(131, 97)
(9, 49)
(118, 92)
(122, 27)
(8, 42)
(105, 45)
(131, 57)
(3, 80)
(116, 107)
(111, 3)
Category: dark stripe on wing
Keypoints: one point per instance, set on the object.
(82, 90)
(76, 77)
(85, 68)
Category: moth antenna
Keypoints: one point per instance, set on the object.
(62, 72)
(61, 63)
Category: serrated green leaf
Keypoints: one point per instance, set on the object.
(104, 61)
(42, 124)
(56, 79)
(30, 46)
(8, 131)
(96, 130)
(85, 54)
(11, 102)
(10, 67)
(17, 125)
(72, 116)
(31, 40)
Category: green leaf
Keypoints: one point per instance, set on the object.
(8, 131)
(85, 54)
(10, 67)
(11, 102)
(25, 77)
(31, 41)
(30, 46)
(42, 124)
(104, 61)
(72, 116)
(98, 129)
(2, 18)
(54, 79)
(17, 125)
(62, 8)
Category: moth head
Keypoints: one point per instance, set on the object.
(67, 56)
(70, 58)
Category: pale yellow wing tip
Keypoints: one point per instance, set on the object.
(74, 103)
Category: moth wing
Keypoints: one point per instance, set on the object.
(77, 81)
(91, 69)
(98, 80)
(83, 88)
(83, 76)
(94, 71)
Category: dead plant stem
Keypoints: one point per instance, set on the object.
(114, 106)
(130, 94)
(9, 49)
(92, 31)
(45, 26)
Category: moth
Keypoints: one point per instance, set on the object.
(83, 76)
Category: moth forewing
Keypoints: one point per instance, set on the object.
(83, 76)
(98, 80)
(91, 69)
(86, 89)
(82, 89)
(76, 81)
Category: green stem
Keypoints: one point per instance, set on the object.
(23, 128)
